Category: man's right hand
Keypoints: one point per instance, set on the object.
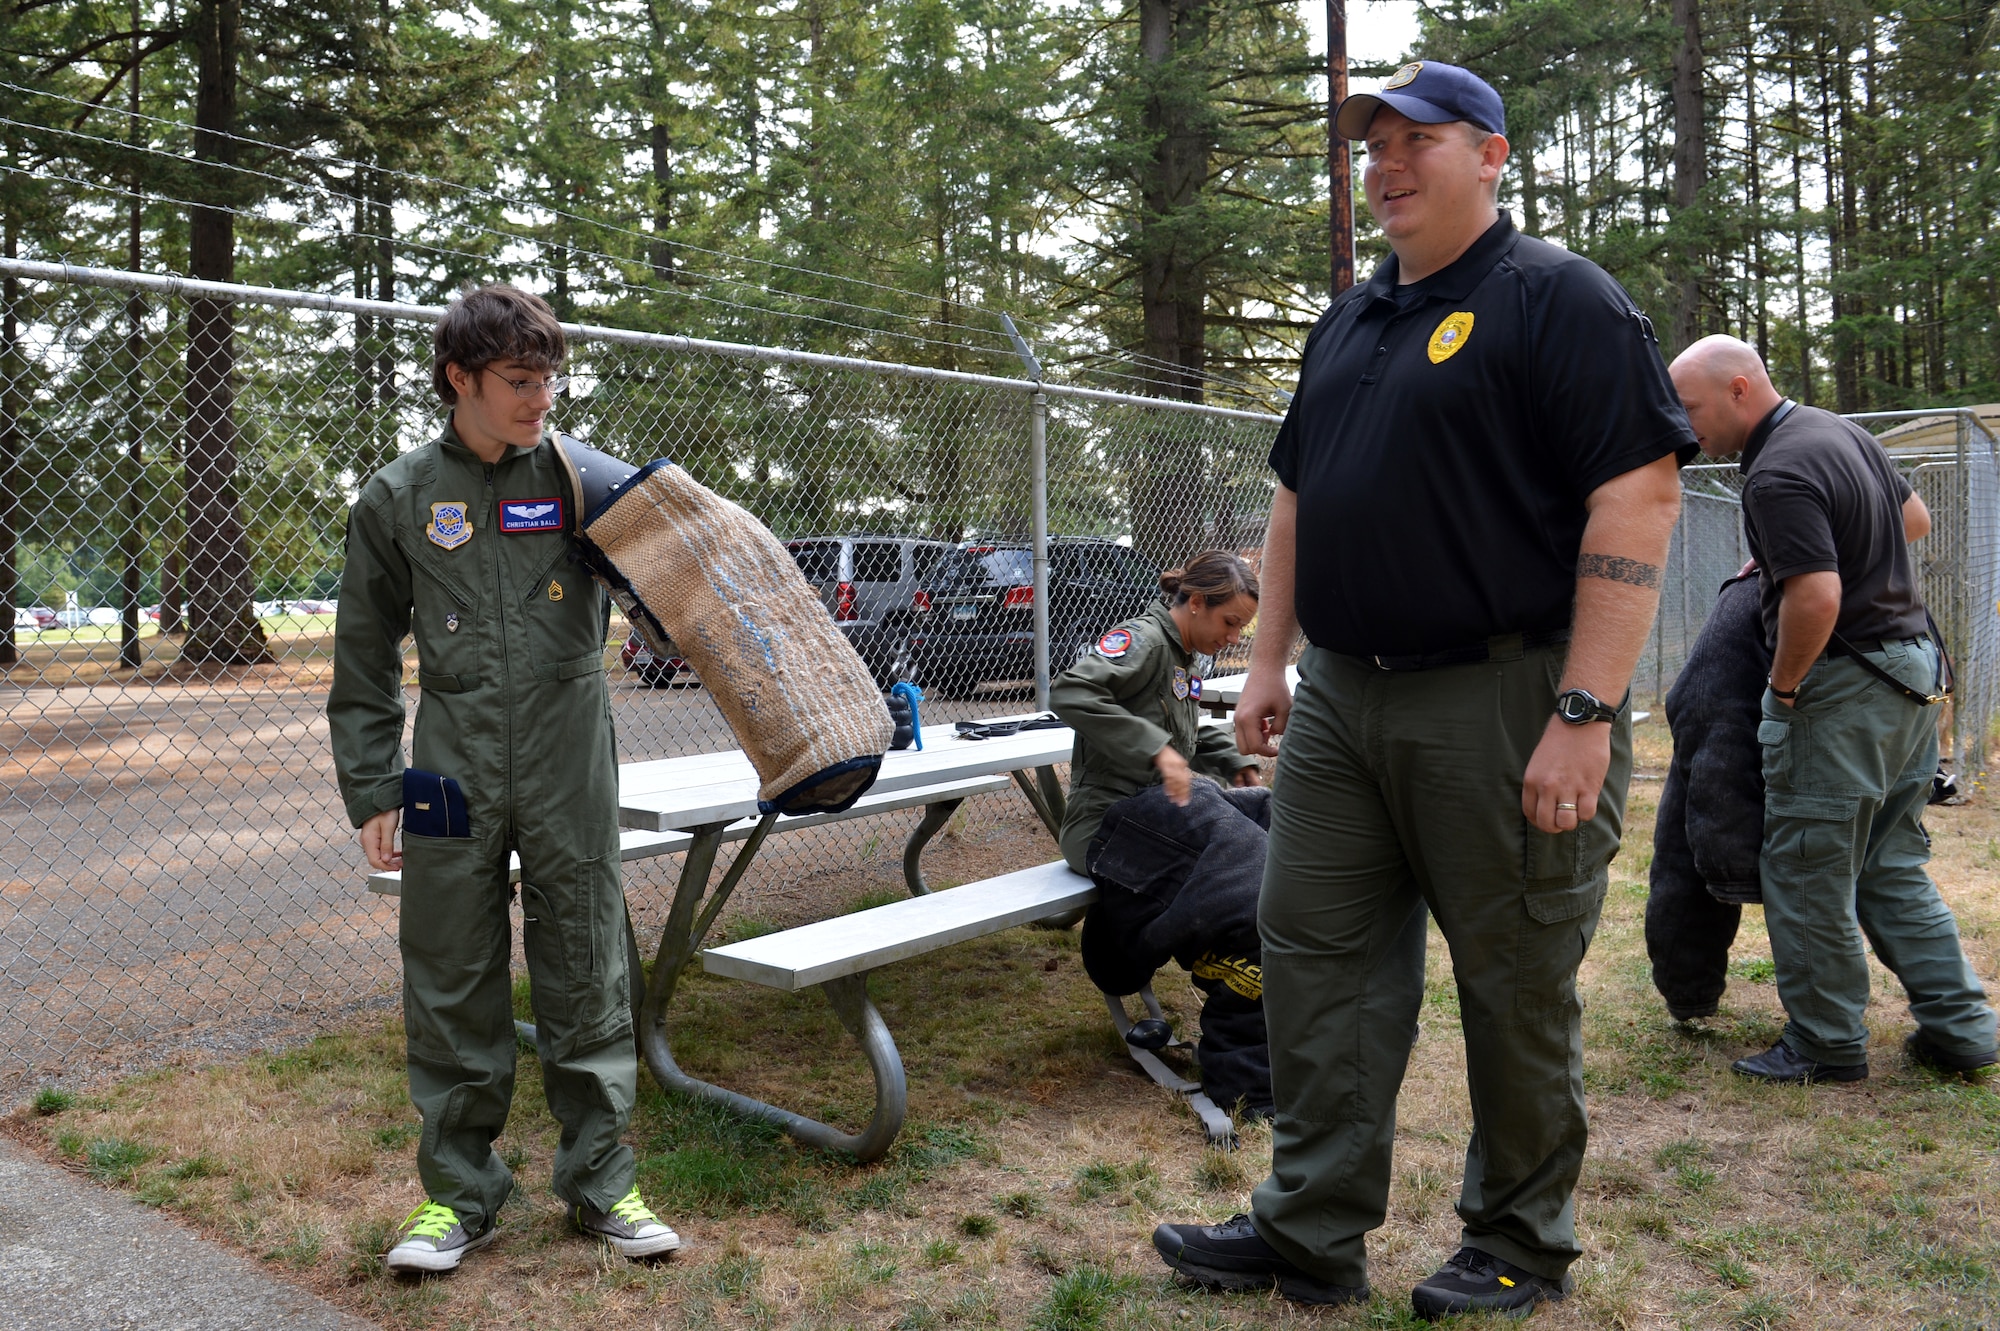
(378, 841)
(1261, 712)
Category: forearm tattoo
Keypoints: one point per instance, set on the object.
(1613, 568)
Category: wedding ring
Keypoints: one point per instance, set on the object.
(1570, 807)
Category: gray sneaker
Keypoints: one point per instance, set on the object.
(435, 1239)
(630, 1226)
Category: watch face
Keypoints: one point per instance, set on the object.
(1571, 707)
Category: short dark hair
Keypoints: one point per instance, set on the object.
(1217, 576)
(492, 323)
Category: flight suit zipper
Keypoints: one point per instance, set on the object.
(499, 589)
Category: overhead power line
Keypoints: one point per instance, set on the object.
(991, 340)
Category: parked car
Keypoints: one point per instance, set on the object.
(34, 618)
(654, 671)
(873, 586)
(981, 621)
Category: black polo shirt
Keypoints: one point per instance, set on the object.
(1820, 496)
(1445, 435)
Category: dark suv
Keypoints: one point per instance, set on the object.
(981, 622)
(872, 586)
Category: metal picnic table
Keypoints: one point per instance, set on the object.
(705, 795)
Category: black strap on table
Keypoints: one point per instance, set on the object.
(1001, 729)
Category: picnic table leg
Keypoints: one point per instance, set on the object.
(935, 817)
(1037, 794)
(680, 940)
(1045, 795)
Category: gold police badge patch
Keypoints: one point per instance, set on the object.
(450, 527)
(1407, 74)
(1450, 336)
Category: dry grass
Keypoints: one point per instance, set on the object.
(1037, 1160)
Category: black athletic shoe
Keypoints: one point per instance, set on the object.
(1233, 1255)
(1925, 1054)
(1781, 1065)
(1475, 1281)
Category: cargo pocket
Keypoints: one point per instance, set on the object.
(1772, 738)
(1560, 899)
(573, 935)
(1811, 831)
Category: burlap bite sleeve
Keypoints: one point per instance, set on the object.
(686, 563)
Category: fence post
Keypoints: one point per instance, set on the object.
(1038, 483)
(1038, 502)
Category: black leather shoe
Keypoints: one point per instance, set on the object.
(1782, 1065)
(1233, 1255)
(1475, 1281)
(1925, 1054)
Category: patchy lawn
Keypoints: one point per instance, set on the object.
(1038, 1159)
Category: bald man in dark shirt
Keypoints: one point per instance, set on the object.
(1848, 735)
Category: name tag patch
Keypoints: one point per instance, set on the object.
(517, 515)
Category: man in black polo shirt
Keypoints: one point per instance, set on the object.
(1477, 483)
(1850, 744)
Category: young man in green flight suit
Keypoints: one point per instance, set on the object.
(463, 543)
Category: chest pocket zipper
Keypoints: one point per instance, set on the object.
(417, 560)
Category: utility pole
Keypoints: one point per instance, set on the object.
(1339, 172)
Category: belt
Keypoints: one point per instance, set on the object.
(1853, 646)
(1501, 647)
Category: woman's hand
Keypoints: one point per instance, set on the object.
(1175, 775)
(1249, 776)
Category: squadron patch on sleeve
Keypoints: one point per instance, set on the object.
(450, 527)
(1114, 644)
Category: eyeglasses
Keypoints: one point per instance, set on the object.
(527, 388)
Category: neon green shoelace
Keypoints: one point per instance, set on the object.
(430, 1221)
(633, 1210)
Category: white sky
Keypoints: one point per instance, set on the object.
(1378, 31)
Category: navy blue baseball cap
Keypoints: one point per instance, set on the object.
(1428, 92)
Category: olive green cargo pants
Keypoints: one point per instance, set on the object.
(458, 1001)
(1847, 775)
(1397, 792)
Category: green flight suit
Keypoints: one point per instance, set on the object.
(512, 705)
(1128, 699)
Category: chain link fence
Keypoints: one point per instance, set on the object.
(177, 872)
(177, 869)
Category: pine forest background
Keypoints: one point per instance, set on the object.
(1140, 185)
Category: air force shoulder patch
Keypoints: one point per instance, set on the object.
(518, 515)
(1114, 644)
(450, 527)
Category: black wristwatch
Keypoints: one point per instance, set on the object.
(1580, 707)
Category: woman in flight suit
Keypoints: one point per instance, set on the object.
(1134, 702)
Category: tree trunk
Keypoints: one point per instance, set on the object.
(663, 202)
(1172, 295)
(1167, 479)
(1339, 166)
(1690, 170)
(1841, 221)
(222, 621)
